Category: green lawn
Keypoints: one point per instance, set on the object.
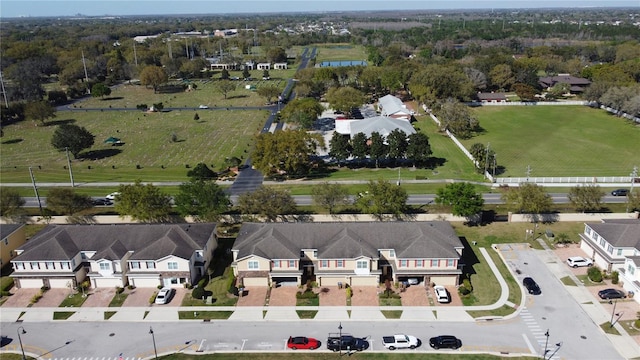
(328, 52)
(558, 140)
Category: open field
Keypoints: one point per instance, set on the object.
(147, 143)
(328, 52)
(558, 140)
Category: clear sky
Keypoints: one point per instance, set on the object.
(16, 8)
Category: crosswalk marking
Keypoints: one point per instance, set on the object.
(539, 335)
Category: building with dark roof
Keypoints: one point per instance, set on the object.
(353, 253)
(12, 236)
(141, 255)
(576, 84)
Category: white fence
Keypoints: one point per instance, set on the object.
(531, 103)
(567, 180)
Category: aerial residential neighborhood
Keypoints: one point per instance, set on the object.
(322, 183)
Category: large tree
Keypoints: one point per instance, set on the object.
(463, 199)
(267, 202)
(67, 201)
(201, 172)
(153, 76)
(285, 152)
(225, 87)
(456, 117)
(378, 149)
(339, 147)
(39, 110)
(418, 148)
(397, 141)
(269, 92)
(203, 200)
(633, 200)
(344, 99)
(329, 196)
(145, 203)
(11, 203)
(72, 137)
(529, 199)
(100, 90)
(586, 198)
(382, 198)
(303, 112)
(359, 146)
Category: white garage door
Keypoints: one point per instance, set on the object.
(107, 283)
(255, 281)
(144, 283)
(331, 281)
(60, 283)
(444, 280)
(31, 283)
(364, 281)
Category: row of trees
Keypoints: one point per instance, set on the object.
(205, 201)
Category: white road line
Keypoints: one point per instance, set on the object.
(529, 345)
(243, 342)
(201, 344)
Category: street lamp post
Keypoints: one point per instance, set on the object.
(340, 341)
(544, 355)
(21, 330)
(558, 346)
(613, 312)
(155, 351)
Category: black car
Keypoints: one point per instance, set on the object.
(445, 342)
(347, 343)
(607, 294)
(531, 286)
(101, 202)
(620, 192)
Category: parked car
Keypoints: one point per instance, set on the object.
(164, 296)
(620, 192)
(579, 261)
(413, 281)
(531, 286)
(607, 294)
(112, 196)
(445, 341)
(203, 107)
(441, 294)
(346, 342)
(302, 342)
(400, 341)
(101, 202)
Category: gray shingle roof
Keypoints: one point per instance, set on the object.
(619, 234)
(146, 241)
(381, 124)
(348, 240)
(8, 229)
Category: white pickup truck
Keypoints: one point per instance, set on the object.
(400, 341)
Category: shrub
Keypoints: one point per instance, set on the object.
(230, 282)
(142, 107)
(349, 293)
(197, 293)
(463, 290)
(36, 297)
(203, 282)
(636, 324)
(467, 284)
(595, 274)
(5, 293)
(152, 299)
(614, 277)
(119, 290)
(308, 294)
(131, 287)
(389, 294)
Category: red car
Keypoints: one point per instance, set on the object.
(301, 342)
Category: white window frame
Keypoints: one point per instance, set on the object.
(277, 264)
(339, 263)
(451, 262)
(135, 265)
(362, 264)
(291, 264)
(105, 266)
(392, 253)
(253, 265)
(152, 263)
(404, 263)
(435, 263)
(419, 263)
(172, 265)
(324, 263)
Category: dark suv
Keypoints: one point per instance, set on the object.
(445, 341)
(620, 192)
(531, 286)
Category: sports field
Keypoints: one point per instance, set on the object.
(558, 140)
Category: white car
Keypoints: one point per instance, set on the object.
(164, 296)
(579, 261)
(441, 294)
(112, 196)
(203, 107)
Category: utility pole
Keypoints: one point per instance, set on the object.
(35, 189)
(634, 175)
(86, 76)
(69, 165)
(135, 54)
(4, 92)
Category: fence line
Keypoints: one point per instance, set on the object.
(567, 180)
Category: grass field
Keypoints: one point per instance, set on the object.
(329, 52)
(558, 140)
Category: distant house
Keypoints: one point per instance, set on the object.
(12, 236)
(142, 255)
(491, 97)
(280, 66)
(264, 66)
(352, 253)
(216, 63)
(393, 107)
(576, 84)
(614, 245)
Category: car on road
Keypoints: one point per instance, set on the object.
(302, 342)
(445, 342)
(164, 296)
(112, 196)
(607, 294)
(101, 202)
(441, 294)
(346, 342)
(532, 286)
(620, 192)
(579, 261)
(203, 107)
